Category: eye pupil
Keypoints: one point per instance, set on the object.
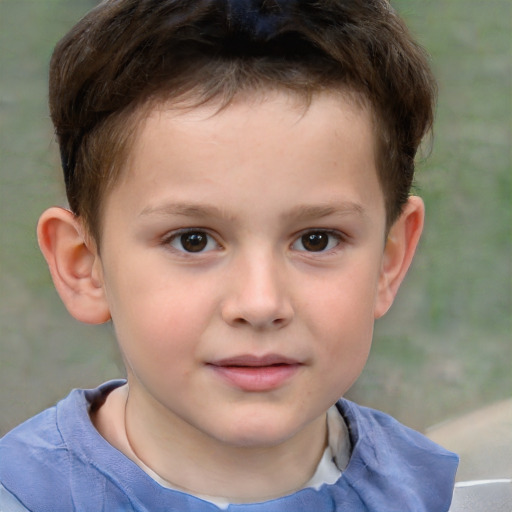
(315, 241)
(194, 242)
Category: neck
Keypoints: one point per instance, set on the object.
(191, 461)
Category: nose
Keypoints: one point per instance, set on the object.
(257, 294)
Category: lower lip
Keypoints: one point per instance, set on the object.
(257, 378)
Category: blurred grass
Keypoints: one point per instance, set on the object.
(43, 352)
(446, 345)
(444, 348)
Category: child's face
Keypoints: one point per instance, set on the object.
(241, 259)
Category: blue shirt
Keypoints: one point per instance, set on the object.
(57, 461)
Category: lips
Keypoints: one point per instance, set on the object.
(252, 373)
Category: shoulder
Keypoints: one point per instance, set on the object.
(402, 464)
(34, 452)
(9, 503)
(384, 436)
(45, 463)
(29, 445)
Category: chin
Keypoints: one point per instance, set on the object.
(258, 432)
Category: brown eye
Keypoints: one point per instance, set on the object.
(192, 242)
(317, 241)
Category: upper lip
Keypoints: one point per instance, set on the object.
(255, 361)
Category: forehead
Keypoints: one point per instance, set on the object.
(250, 120)
(222, 117)
(270, 149)
(192, 105)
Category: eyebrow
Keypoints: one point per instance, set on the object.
(183, 209)
(300, 212)
(309, 212)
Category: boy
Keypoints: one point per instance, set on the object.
(238, 174)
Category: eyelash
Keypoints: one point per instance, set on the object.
(332, 237)
(200, 233)
(205, 240)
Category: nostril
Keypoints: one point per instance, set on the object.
(240, 321)
(260, 323)
(258, 304)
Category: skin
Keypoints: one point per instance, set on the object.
(291, 265)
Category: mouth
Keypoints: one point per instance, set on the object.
(252, 373)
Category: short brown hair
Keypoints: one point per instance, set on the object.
(127, 52)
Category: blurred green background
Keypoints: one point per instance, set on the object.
(444, 348)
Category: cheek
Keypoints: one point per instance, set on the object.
(343, 353)
(156, 319)
(341, 321)
(342, 307)
(346, 341)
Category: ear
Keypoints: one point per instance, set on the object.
(74, 264)
(400, 247)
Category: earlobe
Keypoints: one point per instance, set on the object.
(74, 265)
(400, 247)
